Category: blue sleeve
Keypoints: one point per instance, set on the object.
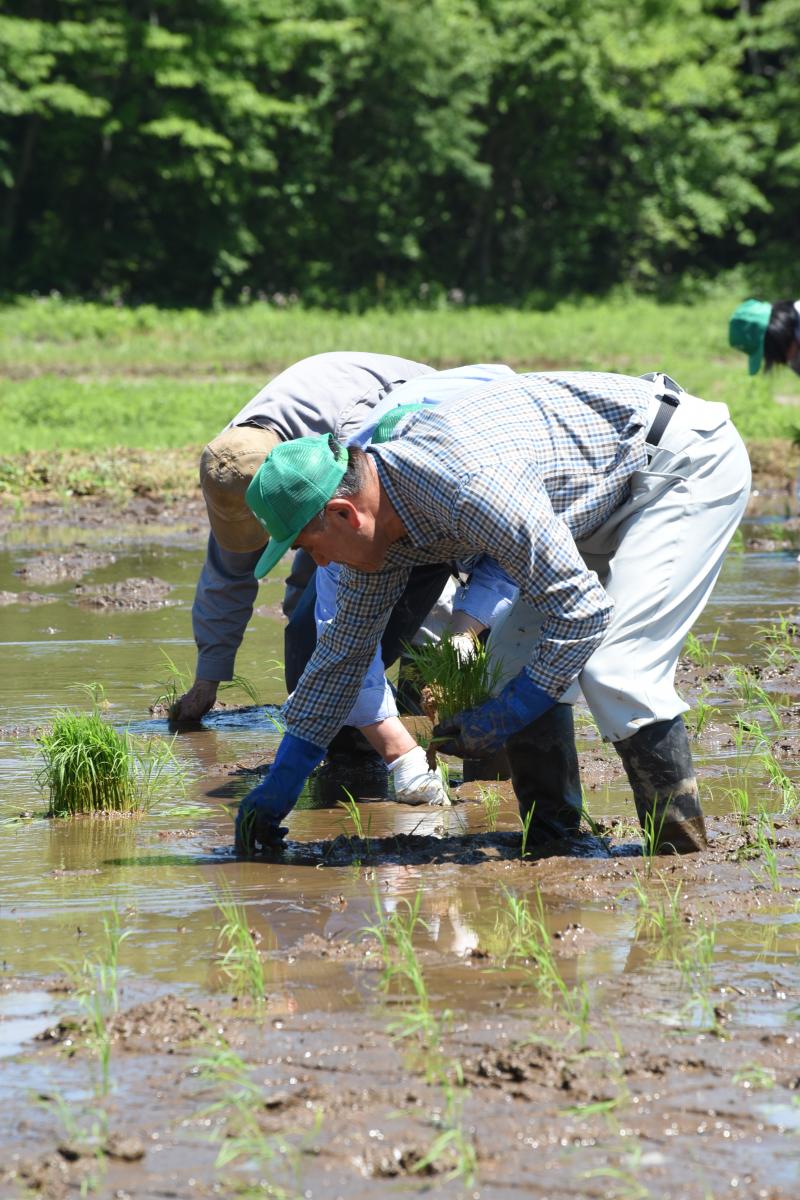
(487, 594)
(375, 701)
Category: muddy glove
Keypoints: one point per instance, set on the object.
(484, 729)
(195, 703)
(414, 783)
(262, 810)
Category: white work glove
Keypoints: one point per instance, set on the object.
(414, 782)
(465, 646)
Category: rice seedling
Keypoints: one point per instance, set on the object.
(753, 697)
(95, 984)
(765, 845)
(395, 934)
(701, 653)
(779, 780)
(701, 714)
(522, 937)
(753, 1075)
(241, 962)
(89, 767)
(490, 802)
(525, 823)
(659, 919)
(242, 1139)
(695, 958)
(740, 805)
(179, 680)
(778, 641)
(353, 811)
(454, 683)
(651, 837)
(89, 1134)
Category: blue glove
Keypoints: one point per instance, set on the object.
(263, 808)
(483, 730)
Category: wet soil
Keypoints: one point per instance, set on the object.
(648, 1094)
(644, 1075)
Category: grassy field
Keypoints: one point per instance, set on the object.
(78, 381)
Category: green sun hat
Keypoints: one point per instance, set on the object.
(747, 328)
(290, 488)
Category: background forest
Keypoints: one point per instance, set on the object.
(361, 151)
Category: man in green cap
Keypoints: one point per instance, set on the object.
(768, 333)
(609, 501)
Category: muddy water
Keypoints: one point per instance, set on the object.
(688, 1089)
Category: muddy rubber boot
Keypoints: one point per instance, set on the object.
(658, 763)
(545, 775)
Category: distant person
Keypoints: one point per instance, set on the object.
(768, 333)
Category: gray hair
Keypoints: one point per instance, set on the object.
(353, 481)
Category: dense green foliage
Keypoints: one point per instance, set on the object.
(185, 150)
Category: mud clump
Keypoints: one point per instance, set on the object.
(52, 568)
(26, 598)
(130, 595)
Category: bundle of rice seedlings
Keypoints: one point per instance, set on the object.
(89, 767)
(449, 682)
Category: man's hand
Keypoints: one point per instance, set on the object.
(195, 703)
(256, 826)
(485, 729)
(260, 813)
(414, 782)
(465, 646)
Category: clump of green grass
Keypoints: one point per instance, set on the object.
(89, 767)
(455, 683)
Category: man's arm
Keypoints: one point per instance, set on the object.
(332, 680)
(223, 605)
(516, 524)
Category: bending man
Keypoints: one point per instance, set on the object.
(547, 473)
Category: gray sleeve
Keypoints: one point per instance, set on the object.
(223, 605)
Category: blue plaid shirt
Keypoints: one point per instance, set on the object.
(520, 470)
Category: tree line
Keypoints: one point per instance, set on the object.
(180, 151)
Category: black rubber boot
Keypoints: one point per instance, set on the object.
(545, 775)
(658, 763)
(351, 768)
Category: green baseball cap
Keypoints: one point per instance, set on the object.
(290, 487)
(747, 328)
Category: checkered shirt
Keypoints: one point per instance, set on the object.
(520, 470)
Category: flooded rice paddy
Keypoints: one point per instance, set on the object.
(401, 1003)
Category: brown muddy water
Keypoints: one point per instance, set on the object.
(642, 1041)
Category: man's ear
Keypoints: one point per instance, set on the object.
(344, 510)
